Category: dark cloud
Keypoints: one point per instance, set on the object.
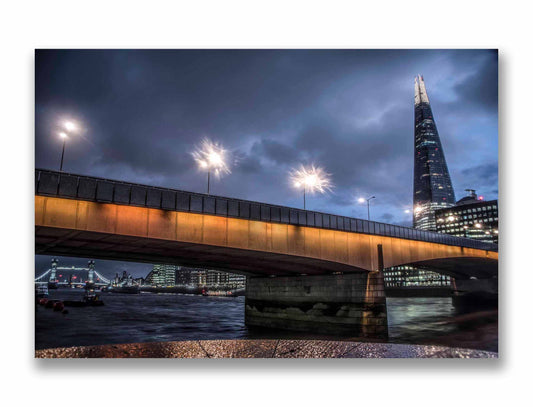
(479, 87)
(483, 178)
(275, 151)
(350, 111)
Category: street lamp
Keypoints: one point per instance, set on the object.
(362, 200)
(314, 179)
(211, 157)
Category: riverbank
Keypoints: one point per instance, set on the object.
(263, 349)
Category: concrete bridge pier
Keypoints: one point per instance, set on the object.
(338, 304)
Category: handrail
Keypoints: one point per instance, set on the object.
(88, 188)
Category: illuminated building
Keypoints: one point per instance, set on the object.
(410, 277)
(432, 184)
(197, 277)
(236, 280)
(162, 275)
(471, 217)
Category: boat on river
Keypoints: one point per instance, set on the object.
(89, 299)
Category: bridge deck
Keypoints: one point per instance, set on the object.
(80, 187)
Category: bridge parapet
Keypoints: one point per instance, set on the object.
(94, 189)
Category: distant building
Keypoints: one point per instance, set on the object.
(410, 277)
(471, 217)
(216, 278)
(188, 276)
(236, 280)
(170, 276)
(162, 275)
(124, 279)
(198, 277)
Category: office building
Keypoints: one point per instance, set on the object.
(471, 217)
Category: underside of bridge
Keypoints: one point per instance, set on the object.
(461, 268)
(75, 243)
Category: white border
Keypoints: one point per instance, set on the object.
(247, 24)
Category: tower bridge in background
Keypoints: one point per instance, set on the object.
(57, 275)
(327, 267)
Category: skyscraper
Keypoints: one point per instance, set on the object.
(432, 184)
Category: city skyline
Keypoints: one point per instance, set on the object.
(286, 107)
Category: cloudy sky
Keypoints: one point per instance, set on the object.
(141, 113)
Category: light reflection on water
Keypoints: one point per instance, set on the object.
(149, 317)
(415, 317)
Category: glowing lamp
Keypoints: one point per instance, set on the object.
(312, 179)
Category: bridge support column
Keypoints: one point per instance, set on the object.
(339, 304)
(347, 304)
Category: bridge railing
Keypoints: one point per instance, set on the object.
(73, 186)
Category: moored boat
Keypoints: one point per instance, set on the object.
(89, 299)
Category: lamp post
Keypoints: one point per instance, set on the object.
(70, 127)
(362, 200)
(64, 137)
(298, 184)
(211, 156)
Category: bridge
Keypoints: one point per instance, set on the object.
(327, 268)
(52, 275)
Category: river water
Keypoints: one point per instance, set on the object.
(150, 317)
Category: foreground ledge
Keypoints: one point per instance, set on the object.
(261, 349)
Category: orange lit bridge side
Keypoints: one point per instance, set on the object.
(73, 227)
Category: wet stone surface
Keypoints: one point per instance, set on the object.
(262, 349)
(312, 349)
(240, 348)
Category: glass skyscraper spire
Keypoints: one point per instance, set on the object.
(432, 184)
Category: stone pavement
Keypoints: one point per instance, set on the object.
(262, 349)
